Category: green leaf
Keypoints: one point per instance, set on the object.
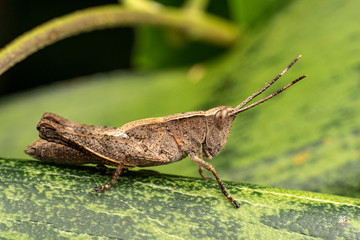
(43, 201)
(309, 137)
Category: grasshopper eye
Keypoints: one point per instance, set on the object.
(221, 118)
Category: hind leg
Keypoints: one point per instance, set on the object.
(103, 188)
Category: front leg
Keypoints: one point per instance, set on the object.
(210, 168)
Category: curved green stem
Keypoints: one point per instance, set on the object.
(196, 5)
(205, 28)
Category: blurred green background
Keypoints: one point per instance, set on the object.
(307, 138)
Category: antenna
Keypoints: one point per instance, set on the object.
(240, 108)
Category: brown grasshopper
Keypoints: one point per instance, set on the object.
(146, 142)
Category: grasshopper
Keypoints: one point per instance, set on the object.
(145, 142)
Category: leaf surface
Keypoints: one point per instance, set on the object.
(45, 201)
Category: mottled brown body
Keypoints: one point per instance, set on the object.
(147, 142)
(142, 143)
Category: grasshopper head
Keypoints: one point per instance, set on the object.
(219, 121)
